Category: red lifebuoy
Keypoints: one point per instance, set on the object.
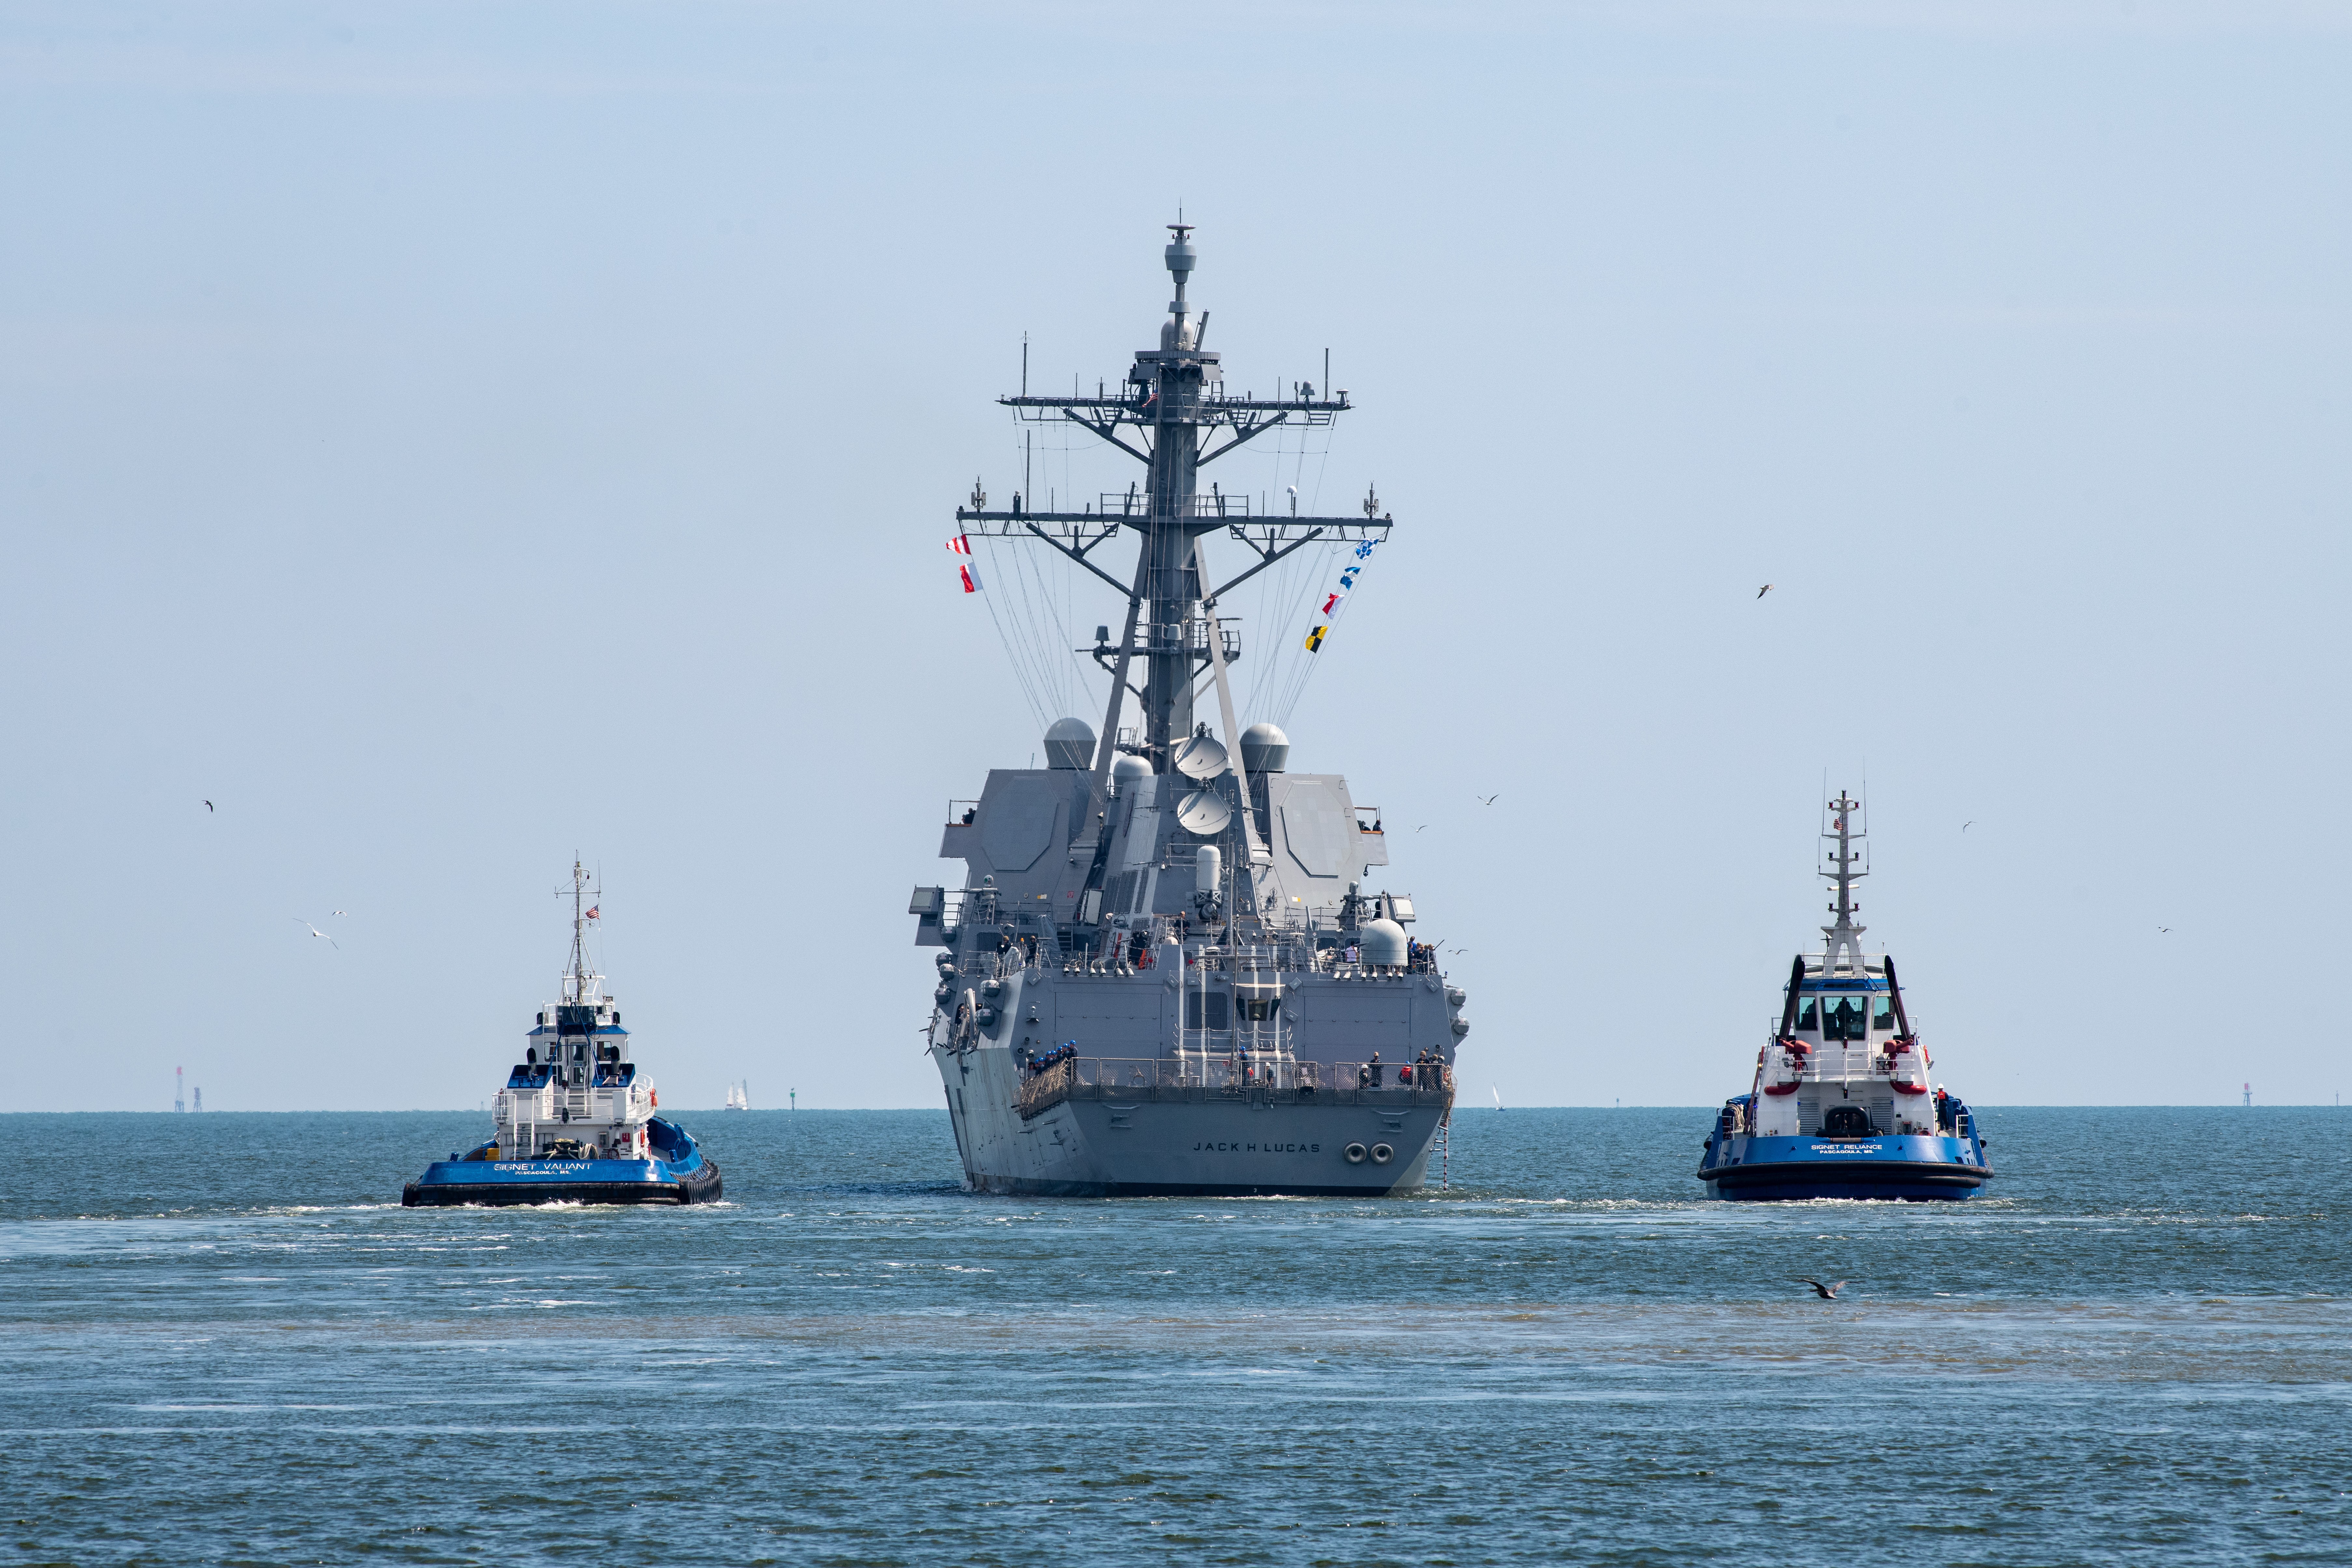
(1908, 1087)
(1781, 1089)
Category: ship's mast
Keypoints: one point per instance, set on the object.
(1844, 937)
(1167, 415)
(577, 975)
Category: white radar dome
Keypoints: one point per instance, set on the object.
(1264, 749)
(1070, 743)
(1383, 943)
(1124, 770)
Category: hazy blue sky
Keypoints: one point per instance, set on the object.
(450, 438)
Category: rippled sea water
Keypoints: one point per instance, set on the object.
(226, 1342)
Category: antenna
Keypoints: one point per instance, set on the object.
(179, 1088)
(1846, 936)
(580, 982)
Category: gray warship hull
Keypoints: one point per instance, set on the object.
(1082, 1138)
(1163, 972)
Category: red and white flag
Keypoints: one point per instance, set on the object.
(970, 579)
(1331, 601)
(961, 545)
(591, 912)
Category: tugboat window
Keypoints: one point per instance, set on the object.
(1844, 1019)
(1808, 1018)
(1882, 1015)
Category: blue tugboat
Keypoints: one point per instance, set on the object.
(576, 1122)
(1841, 1105)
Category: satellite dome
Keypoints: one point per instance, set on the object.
(1070, 743)
(1124, 770)
(1383, 943)
(1264, 749)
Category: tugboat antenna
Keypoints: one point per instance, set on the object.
(1845, 937)
(577, 977)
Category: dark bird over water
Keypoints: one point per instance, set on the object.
(208, 806)
(1828, 1292)
(1764, 590)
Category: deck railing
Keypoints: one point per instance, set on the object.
(1196, 1080)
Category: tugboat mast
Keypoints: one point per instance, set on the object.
(579, 983)
(1173, 405)
(1846, 936)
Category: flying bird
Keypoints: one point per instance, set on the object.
(1418, 829)
(208, 806)
(2163, 931)
(1971, 822)
(1828, 1292)
(1764, 590)
(314, 930)
(1490, 799)
(339, 911)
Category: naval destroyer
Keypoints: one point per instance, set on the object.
(1162, 973)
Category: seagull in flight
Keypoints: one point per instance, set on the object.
(1490, 799)
(2163, 931)
(1764, 590)
(314, 930)
(1828, 1292)
(208, 806)
(339, 911)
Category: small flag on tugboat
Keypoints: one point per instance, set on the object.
(1314, 639)
(961, 545)
(970, 579)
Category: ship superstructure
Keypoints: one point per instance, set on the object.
(1162, 973)
(1842, 1105)
(576, 1122)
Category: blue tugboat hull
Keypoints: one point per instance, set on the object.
(691, 1180)
(1914, 1169)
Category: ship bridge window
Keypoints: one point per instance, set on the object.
(1258, 1009)
(1841, 1019)
(1809, 1016)
(1882, 1015)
